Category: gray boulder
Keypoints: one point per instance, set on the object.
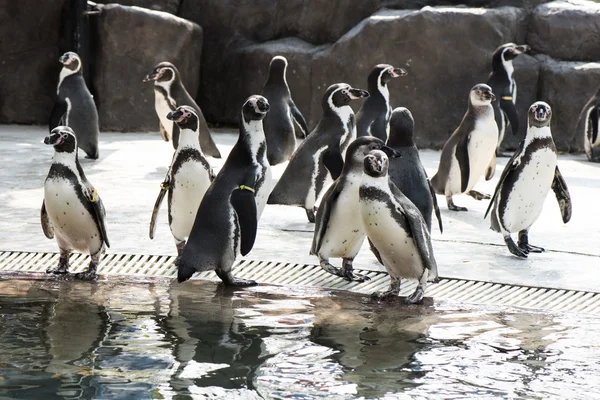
(566, 30)
(170, 6)
(29, 45)
(131, 41)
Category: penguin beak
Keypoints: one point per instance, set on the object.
(396, 72)
(152, 76)
(391, 152)
(53, 139)
(263, 106)
(63, 59)
(489, 96)
(522, 49)
(176, 116)
(540, 114)
(357, 93)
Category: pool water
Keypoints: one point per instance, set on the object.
(198, 340)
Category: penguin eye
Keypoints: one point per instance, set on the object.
(64, 136)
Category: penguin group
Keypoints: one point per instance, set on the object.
(358, 177)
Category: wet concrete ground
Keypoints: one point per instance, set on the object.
(131, 166)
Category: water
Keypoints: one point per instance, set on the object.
(198, 340)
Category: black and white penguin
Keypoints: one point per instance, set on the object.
(188, 178)
(279, 122)
(374, 116)
(169, 92)
(396, 228)
(471, 150)
(525, 182)
(75, 107)
(406, 171)
(503, 84)
(227, 219)
(588, 122)
(72, 211)
(338, 231)
(319, 159)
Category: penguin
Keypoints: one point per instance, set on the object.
(279, 122)
(588, 121)
(396, 228)
(338, 233)
(503, 84)
(188, 178)
(525, 182)
(320, 157)
(75, 107)
(72, 212)
(471, 150)
(169, 92)
(374, 116)
(406, 171)
(226, 222)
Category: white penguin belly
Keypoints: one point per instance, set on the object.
(73, 224)
(262, 194)
(526, 200)
(453, 182)
(162, 109)
(398, 251)
(190, 183)
(311, 195)
(482, 146)
(344, 233)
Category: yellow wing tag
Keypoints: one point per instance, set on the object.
(94, 197)
(507, 98)
(244, 187)
(164, 186)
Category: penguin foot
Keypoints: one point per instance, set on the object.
(514, 249)
(531, 249)
(310, 214)
(416, 297)
(384, 295)
(89, 275)
(454, 207)
(62, 269)
(180, 247)
(240, 282)
(349, 275)
(332, 270)
(478, 195)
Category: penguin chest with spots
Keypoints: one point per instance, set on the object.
(524, 202)
(73, 224)
(344, 233)
(481, 148)
(264, 186)
(162, 107)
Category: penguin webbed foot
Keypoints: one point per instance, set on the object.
(89, 275)
(331, 269)
(524, 245)
(416, 297)
(230, 280)
(310, 214)
(62, 269)
(514, 249)
(350, 275)
(478, 195)
(454, 207)
(392, 291)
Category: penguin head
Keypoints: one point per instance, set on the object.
(277, 68)
(255, 108)
(509, 51)
(163, 72)
(539, 114)
(381, 74)
(364, 145)
(376, 164)
(481, 95)
(402, 126)
(63, 139)
(185, 117)
(341, 94)
(71, 61)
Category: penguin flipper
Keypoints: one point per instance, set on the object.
(163, 132)
(510, 165)
(164, 187)
(47, 226)
(334, 161)
(379, 129)
(491, 169)
(375, 252)
(244, 204)
(99, 213)
(462, 156)
(559, 186)
(323, 214)
(436, 208)
(57, 116)
(592, 131)
(299, 118)
(511, 112)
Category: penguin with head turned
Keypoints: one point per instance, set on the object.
(75, 107)
(226, 222)
(279, 122)
(72, 212)
(504, 86)
(319, 159)
(374, 116)
(169, 93)
(589, 119)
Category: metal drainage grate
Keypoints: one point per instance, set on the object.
(459, 290)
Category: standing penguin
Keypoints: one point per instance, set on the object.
(503, 84)
(338, 231)
(320, 155)
(75, 107)
(471, 150)
(279, 122)
(588, 122)
(72, 210)
(396, 228)
(406, 171)
(374, 116)
(522, 189)
(227, 219)
(188, 178)
(169, 92)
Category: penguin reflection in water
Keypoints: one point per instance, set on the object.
(338, 231)
(396, 228)
(524, 184)
(227, 219)
(72, 211)
(471, 150)
(188, 178)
